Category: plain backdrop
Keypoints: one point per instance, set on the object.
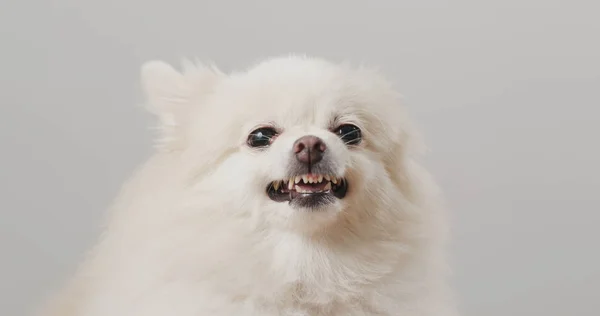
(507, 94)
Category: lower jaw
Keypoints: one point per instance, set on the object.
(313, 201)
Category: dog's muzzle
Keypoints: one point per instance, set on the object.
(312, 182)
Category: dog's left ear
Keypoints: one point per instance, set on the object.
(172, 94)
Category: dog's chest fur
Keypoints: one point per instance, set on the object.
(301, 278)
(283, 276)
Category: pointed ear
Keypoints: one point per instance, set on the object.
(172, 94)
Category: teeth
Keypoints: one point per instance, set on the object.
(307, 179)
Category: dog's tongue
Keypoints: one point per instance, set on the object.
(310, 187)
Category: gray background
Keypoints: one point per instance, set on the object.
(507, 93)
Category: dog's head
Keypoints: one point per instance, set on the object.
(292, 142)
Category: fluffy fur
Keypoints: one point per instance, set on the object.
(193, 232)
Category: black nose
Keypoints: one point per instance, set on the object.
(309, 149)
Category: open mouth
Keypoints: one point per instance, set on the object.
(308, 190)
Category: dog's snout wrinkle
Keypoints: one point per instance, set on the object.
(309, 149)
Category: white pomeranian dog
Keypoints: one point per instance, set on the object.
(288, 189)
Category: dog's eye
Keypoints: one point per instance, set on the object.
(262, 137)
(350, 134)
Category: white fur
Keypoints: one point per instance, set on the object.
(193, 233)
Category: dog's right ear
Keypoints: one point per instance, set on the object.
(172, 94)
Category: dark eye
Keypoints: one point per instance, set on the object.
(349, 134)
(262, 137)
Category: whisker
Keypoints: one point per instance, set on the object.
(352, 142)
(344, 135)
(263, 135)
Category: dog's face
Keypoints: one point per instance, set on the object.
(293, 142)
